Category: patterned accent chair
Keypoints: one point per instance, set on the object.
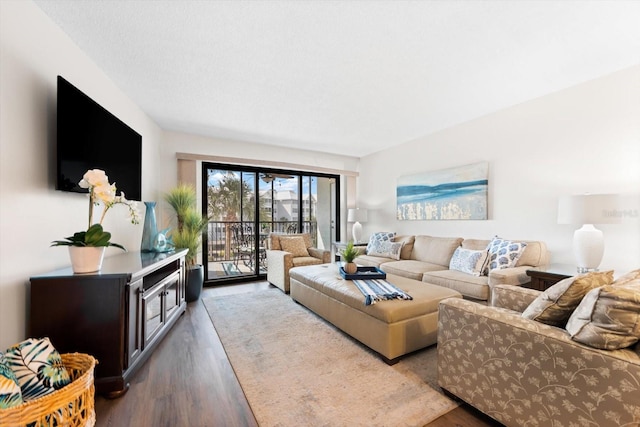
(291, 250)
(525, 373)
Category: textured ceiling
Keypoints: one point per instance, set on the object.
(348, 77)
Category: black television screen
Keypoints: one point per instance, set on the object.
(90, 137)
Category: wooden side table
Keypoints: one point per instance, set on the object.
(544, 277)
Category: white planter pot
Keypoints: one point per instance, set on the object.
(86, 259)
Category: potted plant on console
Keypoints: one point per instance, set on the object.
(349, 253)
(188, 235)
(86, 248)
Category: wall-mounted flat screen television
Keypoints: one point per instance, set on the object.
(90, 137)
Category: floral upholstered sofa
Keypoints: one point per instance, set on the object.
(525, 373)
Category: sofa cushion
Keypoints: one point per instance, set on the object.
(386, 249)
(504, 253)
(435, 250)
(274, 240)
(630, 278)
(469, 261)
(305, 260)
(381, 236)
(469, 286)
(295, 245)
(608, 317)
(407, 247)
(372, 261)
(555, 305)
(535, 254)
(475, 244)
(409, 268)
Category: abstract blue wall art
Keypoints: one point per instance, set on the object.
(456, 193)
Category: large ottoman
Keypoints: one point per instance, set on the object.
(391, 328)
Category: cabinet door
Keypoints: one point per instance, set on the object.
(153, 312)
(172, 295)
(134, 321)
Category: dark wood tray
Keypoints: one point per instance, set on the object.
(364, 273)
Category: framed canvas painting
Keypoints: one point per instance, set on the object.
(458, 193)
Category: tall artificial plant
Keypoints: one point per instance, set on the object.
(191, 225)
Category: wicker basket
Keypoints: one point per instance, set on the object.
(72, 405)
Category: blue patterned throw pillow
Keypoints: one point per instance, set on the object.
(469, 261)
(387, 249)
(504, 253)
(379, 237)
(10, 394)
(38, 367)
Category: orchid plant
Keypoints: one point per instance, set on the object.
(100, 191)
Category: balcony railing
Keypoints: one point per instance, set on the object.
(231, 241)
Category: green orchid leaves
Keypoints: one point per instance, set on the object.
(95, 236)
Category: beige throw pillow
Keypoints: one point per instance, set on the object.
(630, 277)
(555, 305)
(295, 245)
(608, 317)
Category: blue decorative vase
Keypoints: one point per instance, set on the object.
(150, 229)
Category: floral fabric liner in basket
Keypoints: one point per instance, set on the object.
(71, 405)
(38, 367)
(10, 394)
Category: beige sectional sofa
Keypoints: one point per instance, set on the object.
(525, 373)
(427, 258)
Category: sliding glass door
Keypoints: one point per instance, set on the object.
(245, 204)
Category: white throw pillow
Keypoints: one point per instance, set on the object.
(469, 261)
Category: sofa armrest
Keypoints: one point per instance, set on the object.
(514, 298)
(515, 276)
(278, 265)
(523, 372)
(321, 254)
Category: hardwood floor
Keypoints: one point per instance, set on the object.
(188, 381)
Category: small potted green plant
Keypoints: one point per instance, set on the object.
(191, 225)
(348, 254)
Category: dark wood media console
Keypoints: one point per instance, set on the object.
(117, 315)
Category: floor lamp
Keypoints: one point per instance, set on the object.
(357, 216)
(588, 241)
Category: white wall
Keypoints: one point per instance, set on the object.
(33, 51)
(177, 142)
(582, 139)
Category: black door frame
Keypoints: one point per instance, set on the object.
(257, 170)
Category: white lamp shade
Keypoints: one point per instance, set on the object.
(588, 209)
(357, 215)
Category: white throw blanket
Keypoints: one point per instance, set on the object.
(375, 290)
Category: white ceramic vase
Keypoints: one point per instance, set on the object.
(86, 259)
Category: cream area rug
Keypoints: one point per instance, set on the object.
(298, 370)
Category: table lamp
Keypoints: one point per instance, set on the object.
(357, 216)
(588, 241)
